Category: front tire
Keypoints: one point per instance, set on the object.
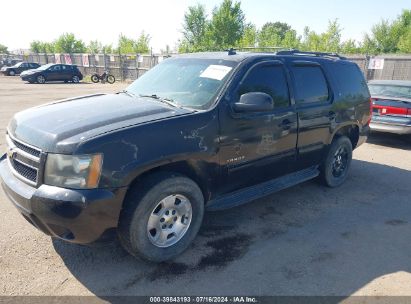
(12, 73)
(111, 79)
(334, 170)
(161, 217)
(41, 79)
(75, 79)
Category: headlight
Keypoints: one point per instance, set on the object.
(73, 171)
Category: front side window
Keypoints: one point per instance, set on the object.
(187, 82)
(55, 68)
(310, 84)
(269, 79)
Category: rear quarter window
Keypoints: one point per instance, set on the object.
(310, 84)
(350, 80)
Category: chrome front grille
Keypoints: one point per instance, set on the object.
(24, 160)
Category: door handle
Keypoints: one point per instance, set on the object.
(285, 124)
(331, 115)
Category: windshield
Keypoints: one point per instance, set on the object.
(45, 67)
(17, 65)
(187, 82)
(390, 90)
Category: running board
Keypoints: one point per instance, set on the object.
(249, 194)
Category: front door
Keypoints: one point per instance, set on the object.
(256, 147)
(54, 73)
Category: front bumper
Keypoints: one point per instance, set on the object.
(77, 216)
(397, 125)
(28, 77)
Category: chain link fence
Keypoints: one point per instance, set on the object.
(131, 66)
(123, 67)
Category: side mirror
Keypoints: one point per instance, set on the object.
(254, 102)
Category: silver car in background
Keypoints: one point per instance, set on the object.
(391, 106)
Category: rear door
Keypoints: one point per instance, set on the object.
(66, 72)
(313, 100)
(256, 147)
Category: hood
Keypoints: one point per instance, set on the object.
(56, 127)
(28, 72)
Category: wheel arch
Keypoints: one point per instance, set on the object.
(351, 130)
(189, 168)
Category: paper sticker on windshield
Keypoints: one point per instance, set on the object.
(217, 72)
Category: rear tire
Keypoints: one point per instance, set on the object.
(75, 79)
(334, 170)
(95, 78)
(162, 205)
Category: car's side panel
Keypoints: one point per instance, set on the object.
(130, 152)
(256, 147)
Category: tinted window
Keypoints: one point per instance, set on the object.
(269, 79)
(350, 80)
(55, 68)
(310, 84)
(24, 65)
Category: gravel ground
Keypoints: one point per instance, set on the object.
(306, 240)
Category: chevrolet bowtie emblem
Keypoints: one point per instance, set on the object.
(11, 153)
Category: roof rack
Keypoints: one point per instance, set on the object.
(264, 49)
(315, 54)
(231, 51)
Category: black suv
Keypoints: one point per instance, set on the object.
(53, 72)
(199, 131)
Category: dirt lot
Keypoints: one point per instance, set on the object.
(307, 240)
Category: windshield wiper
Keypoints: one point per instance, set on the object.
(128, 93)
(168, 101)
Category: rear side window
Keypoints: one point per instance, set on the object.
(310, 84)
(269, 79)
(350, 80)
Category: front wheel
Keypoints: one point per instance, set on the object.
(75, 79)
(95, 78)
(41, 79)
(12, 73)
(334, 170)
(111, 79)
(161, 217)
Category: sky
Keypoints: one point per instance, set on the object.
(162, 19)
